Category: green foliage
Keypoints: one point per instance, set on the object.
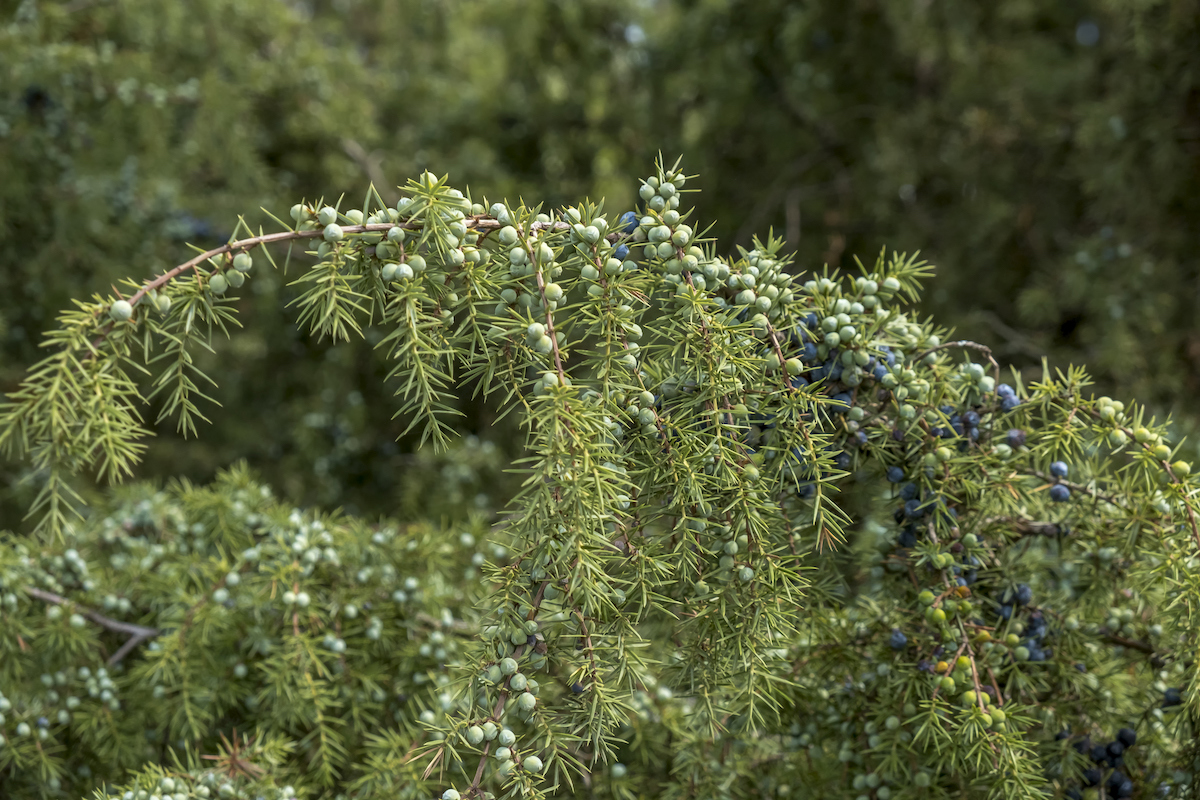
(1050, 180)
(253, 604)
(127, 129)
(773, 535)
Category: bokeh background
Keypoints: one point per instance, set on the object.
(1044, 154)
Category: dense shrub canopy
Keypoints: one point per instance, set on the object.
(772, 535)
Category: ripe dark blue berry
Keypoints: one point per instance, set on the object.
(1060, 493)
(898, 640)
(1059, 469)
(1015, 438)
(629, 222)
(1127, 737)
(895, 474)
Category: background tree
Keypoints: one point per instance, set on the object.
(1044, 156)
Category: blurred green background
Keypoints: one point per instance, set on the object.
(1044, 154)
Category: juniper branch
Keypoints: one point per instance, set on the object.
(137, 633)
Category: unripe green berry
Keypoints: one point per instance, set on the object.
(120, 311)
(532, 764)
(242, 262)
(333, 232)
(218, 284)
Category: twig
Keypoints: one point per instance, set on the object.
(987, 351)
(137, 633)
